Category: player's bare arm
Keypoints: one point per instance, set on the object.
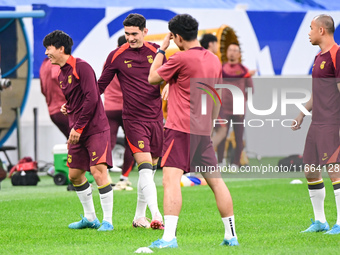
(338, 86)
(154, 77)
(296, 125)
(165, 92)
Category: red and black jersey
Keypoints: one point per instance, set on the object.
(84, 105)
(326, 96)
(141, 100)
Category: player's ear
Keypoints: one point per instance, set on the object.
(145, 31)
(321, 30)
(62, 49)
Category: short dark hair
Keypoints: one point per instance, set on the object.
(185, 26)
(327, 22)
(135, 20)
(121, 40)
(57, 39)
(206, 39)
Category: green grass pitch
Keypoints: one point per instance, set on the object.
(269, 213)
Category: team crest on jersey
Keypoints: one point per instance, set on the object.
(150, 59)
(69, 158)
(325, 156)
(70, 79)
(129, 65)
(141, 144)
(322, 65)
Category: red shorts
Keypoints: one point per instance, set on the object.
(89, 151)
(322, 145)
(143, 136)
(186, 151)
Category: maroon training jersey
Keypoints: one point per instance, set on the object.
(141, 100)
(238, 75)
(84, 106)
(326, 96)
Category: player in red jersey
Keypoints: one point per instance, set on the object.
(89, 139)
(187, 132)
(113, 105)
(322, 145)
(142, 112)
(236, 74)
(55, 98)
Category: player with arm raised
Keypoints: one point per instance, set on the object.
(187, 133)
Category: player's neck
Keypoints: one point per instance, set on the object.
(326, 45)
(64, 60)
(191, 44)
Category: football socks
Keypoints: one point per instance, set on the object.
(106, 200)
(148, 187)
(170, 226)
(317, 194)
(84, 192)
(229, 225)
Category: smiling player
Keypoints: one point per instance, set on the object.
(142, 112)
(89, 139)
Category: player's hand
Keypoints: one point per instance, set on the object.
(165, 92)
(252, 72)
(73, 137)
(63, 109)
(296, 125)
(166, 41)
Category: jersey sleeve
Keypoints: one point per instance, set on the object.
(108, 73)
(170, 68)
(337, 69)
(89, 88)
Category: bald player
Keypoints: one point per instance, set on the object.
(322, 142)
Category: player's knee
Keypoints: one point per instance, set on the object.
(99, 171)
(74, 178)
(167, 182)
